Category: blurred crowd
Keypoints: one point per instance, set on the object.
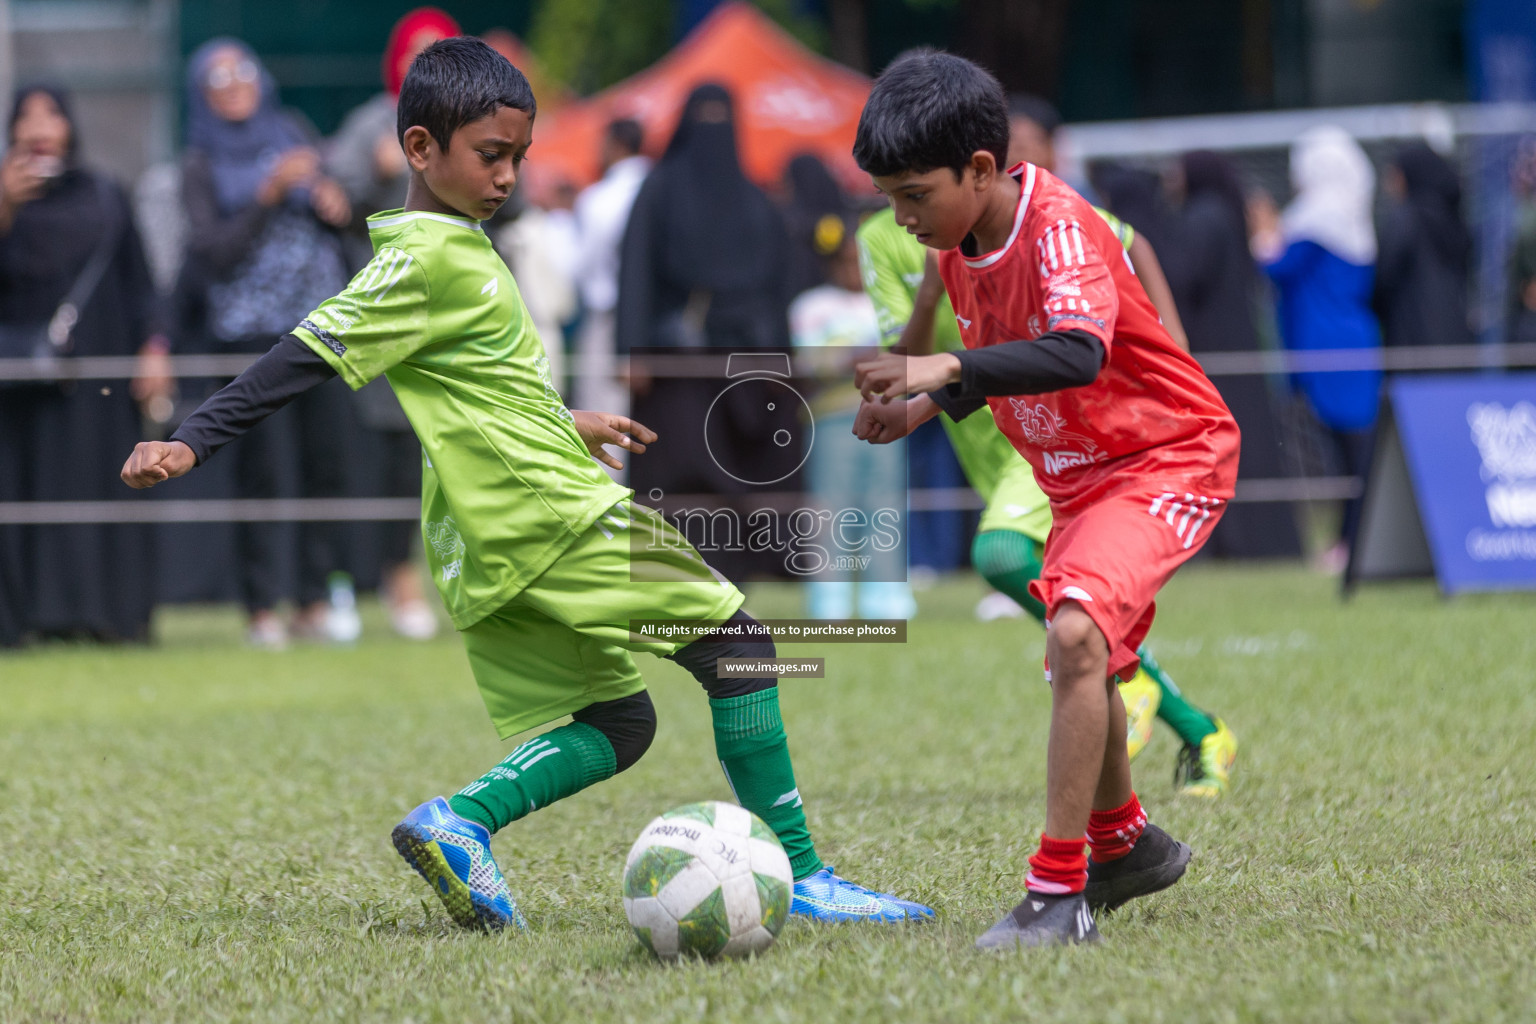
(1337, 268)
(262, 219)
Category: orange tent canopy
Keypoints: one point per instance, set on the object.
(788, 101)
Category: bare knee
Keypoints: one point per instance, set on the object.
(1075, 646)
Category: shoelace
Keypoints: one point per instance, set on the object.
(855, 886)
(839, 882)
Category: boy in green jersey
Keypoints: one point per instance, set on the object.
(542, 560)
(901, 277)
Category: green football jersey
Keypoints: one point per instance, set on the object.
(892, 263)
(1122, 230)
(507, 484)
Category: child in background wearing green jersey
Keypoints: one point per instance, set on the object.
(541, 559)
(902, 279)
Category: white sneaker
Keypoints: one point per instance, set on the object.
(267, 634)
(997, 605)
(413, 619)
(342, 623)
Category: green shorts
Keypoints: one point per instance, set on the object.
(564, 642)
(1018, 504)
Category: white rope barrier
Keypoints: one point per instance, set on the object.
(357, 510)
(210, 510)
(1215, 364)
(1346, 360)
(76, 368)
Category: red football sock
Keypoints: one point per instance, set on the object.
(1112, 834)
(1059, 867)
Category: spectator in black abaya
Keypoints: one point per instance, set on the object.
(814, 213)
(703, 267)
(704, 253)
(1424, 251)
(58, 442)
(263, 252)
(1214, 283)
(1136, 196)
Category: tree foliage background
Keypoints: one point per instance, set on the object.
(591, 44)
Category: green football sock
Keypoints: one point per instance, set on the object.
(1192, 724)
(1009, 561)
(754, 754)
(549, 767)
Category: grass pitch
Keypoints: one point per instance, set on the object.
(199, 832)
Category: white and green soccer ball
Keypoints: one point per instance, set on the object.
(708, 880)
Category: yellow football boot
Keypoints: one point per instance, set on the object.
(1204, 770)
(1142, 696)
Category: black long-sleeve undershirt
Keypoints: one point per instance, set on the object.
(1051, 362)
(289, 369)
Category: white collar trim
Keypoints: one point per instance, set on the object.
(410, 215)
(1018, 223)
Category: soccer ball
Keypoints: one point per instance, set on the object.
(707, 879)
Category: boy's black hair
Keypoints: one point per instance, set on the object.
(627, 134)
(931, 109)
(1032, 108)
(456, 81)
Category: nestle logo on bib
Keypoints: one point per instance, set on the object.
(1057, 463)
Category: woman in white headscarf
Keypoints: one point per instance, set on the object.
(1321, 255)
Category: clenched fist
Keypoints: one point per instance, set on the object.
(155, 461)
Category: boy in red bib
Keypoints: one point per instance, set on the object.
(1128, 438)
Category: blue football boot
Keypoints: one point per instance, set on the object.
(825, 897)
(454, 855)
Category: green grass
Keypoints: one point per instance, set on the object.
(199, 832)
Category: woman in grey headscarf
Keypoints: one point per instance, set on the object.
(262, 252)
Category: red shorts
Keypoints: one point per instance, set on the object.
(1113, 556)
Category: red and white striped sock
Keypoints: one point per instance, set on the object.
(1112, 834)
(1059, 867)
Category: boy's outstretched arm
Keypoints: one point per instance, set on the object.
(287, 370)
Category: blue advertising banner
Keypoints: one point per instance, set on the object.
(1468, 443)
